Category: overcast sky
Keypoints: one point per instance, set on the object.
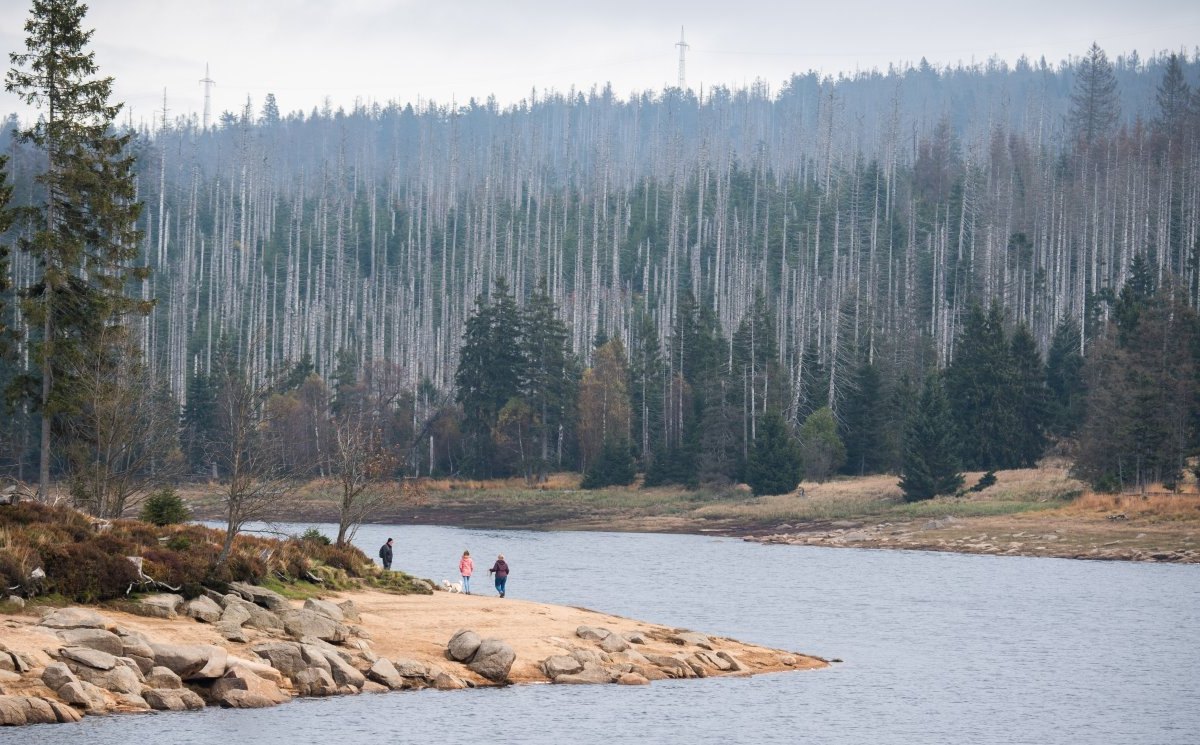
(305, 50)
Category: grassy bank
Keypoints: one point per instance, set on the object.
(58, 553)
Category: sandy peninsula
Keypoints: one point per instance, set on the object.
(252, 648)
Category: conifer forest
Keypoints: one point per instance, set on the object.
(919, 271)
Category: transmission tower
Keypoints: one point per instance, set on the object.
(683, 47)
(208, 83)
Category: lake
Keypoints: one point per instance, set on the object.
(938, 648)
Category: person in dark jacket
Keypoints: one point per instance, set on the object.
(385, 553)
(500, 569)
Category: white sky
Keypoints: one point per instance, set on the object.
(305, 50)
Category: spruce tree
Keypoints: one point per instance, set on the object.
(930, 464)
(1174, 103)
(863, 424)
(1064, 381)
(979, 386)
(647, 372)
(88, 240)
(1030, 398)
(490, 369)
(1094, 106)
(549, 375)
(775, 460)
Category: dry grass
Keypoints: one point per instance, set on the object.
(1153, 505)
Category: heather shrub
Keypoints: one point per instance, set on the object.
(86, 573)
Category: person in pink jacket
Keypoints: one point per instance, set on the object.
(465, 567)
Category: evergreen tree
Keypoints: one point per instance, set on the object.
(930, 464)
(982, 395)
(490, 370)
(549, 377)
(1174, 100)
(89, 236)
(1029, 397)
(863, 423)
(1064, 381)
(614, 467)
(822, 450)
(1132, 300)
(1094, 106)
(1143, 398)
(901, 406)
(775, 464)
(646, 391)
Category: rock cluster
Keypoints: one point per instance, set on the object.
(490, 658)
(613, 658)
(100, 667)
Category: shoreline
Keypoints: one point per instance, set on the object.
(253, 648)
(1051, 533)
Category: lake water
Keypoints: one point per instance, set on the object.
(938, 648)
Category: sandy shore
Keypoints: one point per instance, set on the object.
(406, 629)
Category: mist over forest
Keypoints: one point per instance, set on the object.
(750, 252)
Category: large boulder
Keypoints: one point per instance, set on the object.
(463, 645)
(232, 632)
(98, 639)
(20, 710)
(172, 699)
(159, 605)
(493, 660)
(268, 599)
(286, 657)
(325, 608)
(261, 669)
(691, 639)
(57, 675)
(135, 644)
(344, 674)
(92, 658)
(560, 664)
(84, 695)
(590, 674)
(203, 609)
(76, 618)
(672, 666)
(314, 681)
(613, 643)
(191, 661)
(300, 623)
(592, 634)
(254, 616)
(447, 682)
(121, 678)
(164, 678)
(242, 689)
(384, 672)
(410, 668)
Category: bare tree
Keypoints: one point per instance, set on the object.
(362, 465)
(256, 480)
(123, 442)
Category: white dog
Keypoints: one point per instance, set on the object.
(452, 586)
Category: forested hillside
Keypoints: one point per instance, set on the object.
(692, 264)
